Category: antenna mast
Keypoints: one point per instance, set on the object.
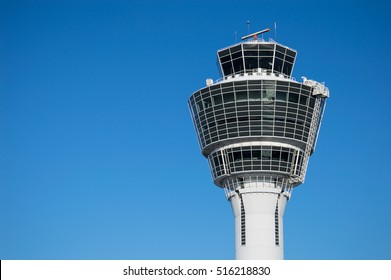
(275, 30)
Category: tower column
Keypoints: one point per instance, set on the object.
(258, 223)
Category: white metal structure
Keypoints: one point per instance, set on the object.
(257, 126)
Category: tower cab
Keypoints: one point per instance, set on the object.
(254, 56)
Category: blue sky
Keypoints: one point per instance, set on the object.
(98, 154)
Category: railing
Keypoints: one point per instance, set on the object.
(254, 72)
(258, 183)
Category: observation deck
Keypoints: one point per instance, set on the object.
(257, 119)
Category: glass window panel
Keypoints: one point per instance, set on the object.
(266, 154)
(254, 83)
(246, 155)
(282, 84)
(225, 59)
(305, 90)
(240, 96)
(227, 88)
(290, 53)
(266, 165)
(241, 85)
(275, 165)
(236, 55)
(238, 65)
(266, 53)
(279, 55)
(207, 102)
(312, 102)
(251, 53)
(295, 86)
(229, 107)
(303, 100)
(266, 47)
(256, 154)
(200, 106)
(266, 62)
(255, 95)
(216, 161)
(215, 88)
(227, 68)
(287, 68)
(244, 133)
(227, 85)
(276, 155)
(293, 97)
(228, 97)
(193, 107)
(211, 124)
(231, 120)
(230, 157)
(217, 99)
(205, 90)
(280, 95)
(224, 52)
(269, 92)
(237, 156)
(280, 49)
(251, 63)
(280, 111)
(243, 119)
(278, 65)
(250, 46)
(289, 59)
(236, 49)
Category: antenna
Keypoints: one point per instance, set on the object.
(275, 30)
(256, 34)
(248, 26)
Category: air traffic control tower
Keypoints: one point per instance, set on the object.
(258, 126)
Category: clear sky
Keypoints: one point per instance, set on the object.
(98, 154)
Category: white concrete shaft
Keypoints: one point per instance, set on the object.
(260, 241)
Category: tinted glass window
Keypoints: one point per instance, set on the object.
(290, 53)
(266, 62)
(293, 97)
(280, 95)
(251, 62)
(287, 68)
(255, 95)
(237, 156)
(225, 59)
(241, 96)
(303, 100)
(280, 49)
(236, 49)
(238, 65)
(217, 99)
(278, 65)
(207, 102)
(224, 52)
(246, 155)
(227, 68)
(229, 97)
(236, 55)
(276, 155)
